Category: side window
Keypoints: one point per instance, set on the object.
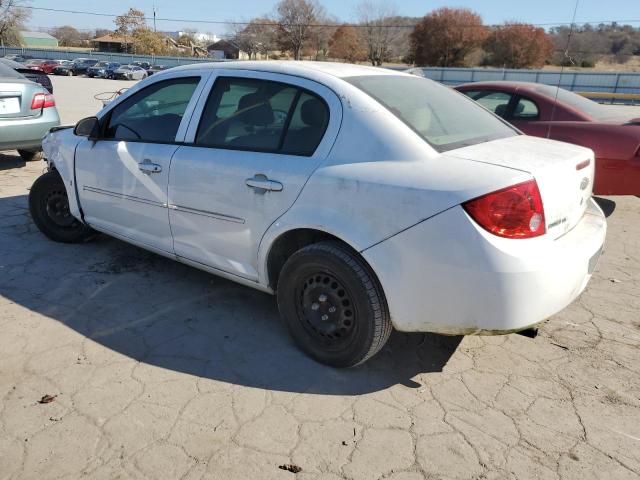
(497, 102)
(153, 114)
(307, 126)
(525, 110)
(261, 115)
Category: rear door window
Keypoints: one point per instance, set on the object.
(264, 116)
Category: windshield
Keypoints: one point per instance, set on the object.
(444, 118)
(101, 64)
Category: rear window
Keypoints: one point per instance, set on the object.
(580, 103)
(444, 118)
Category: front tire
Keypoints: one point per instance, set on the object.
(30, 155)
(333, 305)
(49, 208)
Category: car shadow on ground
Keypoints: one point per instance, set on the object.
(166, 314)
(607, 206)
(9, 160)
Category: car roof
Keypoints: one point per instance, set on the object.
(501, 84)
(307, 69)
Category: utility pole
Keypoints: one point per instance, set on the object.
(154, 17)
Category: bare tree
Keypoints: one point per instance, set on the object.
(319, 36)
(12, 19)
(374, 17)
(258, 36)
(296, 19)
(67, 36)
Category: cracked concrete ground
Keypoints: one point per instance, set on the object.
(162, 371)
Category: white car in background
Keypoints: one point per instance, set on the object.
(365, 199)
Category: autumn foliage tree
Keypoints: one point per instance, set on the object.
(345, 44)
(446, 36)
(518, 45)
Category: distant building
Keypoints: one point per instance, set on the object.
(38, 39)
(224, 50)
(113, 43)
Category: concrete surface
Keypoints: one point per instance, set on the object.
(161, 371)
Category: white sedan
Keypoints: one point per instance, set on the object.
(365, 199)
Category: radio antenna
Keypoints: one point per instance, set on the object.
(565, 57)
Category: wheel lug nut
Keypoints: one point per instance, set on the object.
(325, 317)
(332, 309)
(322, 298)
(315, 306)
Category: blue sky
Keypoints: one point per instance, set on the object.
(492, 11)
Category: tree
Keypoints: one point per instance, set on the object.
(446, 36)
(12, 19)
(295, 19)
(258, 36)
(518, 45)
(101, 32)
(374, 17)
(127, 24)
(346, 44)
(148, 42)
(67, 36)
(318, 43)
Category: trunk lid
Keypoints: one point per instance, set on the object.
(564, 173)
(15, 98)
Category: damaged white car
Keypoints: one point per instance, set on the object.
(365, 199)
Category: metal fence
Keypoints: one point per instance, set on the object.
(607, 82)
(59, 54)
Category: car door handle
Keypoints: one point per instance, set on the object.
(148, 167)
(262, 184)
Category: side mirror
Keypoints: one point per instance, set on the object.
(88, 127)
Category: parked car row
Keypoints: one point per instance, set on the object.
(88, 66)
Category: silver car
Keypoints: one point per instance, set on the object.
(27, 113)
(130, 72)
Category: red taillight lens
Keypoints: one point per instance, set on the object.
(42, 100)
(513, 212)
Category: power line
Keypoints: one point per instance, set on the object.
(332, 25)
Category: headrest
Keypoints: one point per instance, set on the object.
(255, 110)
(501, 109)
(313, 113)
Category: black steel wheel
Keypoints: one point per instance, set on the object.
(49, 208)
(333, 305)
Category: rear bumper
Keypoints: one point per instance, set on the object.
(448, 275)
(27, 133)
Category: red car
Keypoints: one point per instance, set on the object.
(611, 131)
(46, 66)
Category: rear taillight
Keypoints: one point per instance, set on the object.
(42, 100)
(513, 212)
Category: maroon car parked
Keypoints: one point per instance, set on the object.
(611, 131)
(45, 66)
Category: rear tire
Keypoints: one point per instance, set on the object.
(49, 208)
(333, 305)
(30, 155)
